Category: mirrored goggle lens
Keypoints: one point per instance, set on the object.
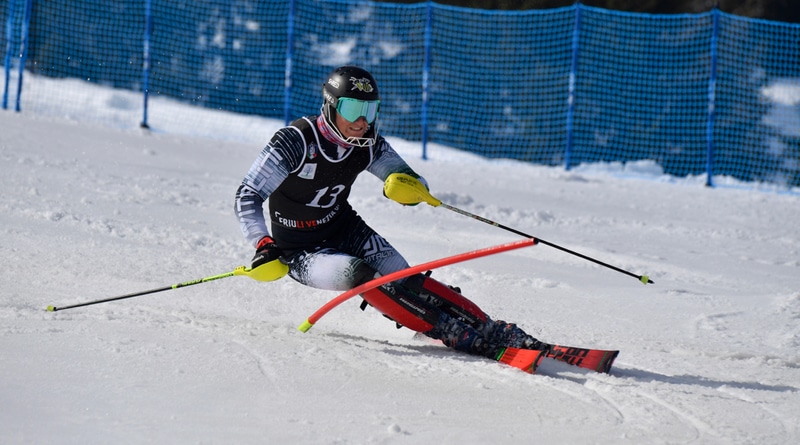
(352, 109)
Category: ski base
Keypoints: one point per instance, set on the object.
(598, 360)
(525, 359)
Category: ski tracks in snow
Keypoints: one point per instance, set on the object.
(627, 403)
(690, 409)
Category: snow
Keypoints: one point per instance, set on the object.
(709, 353)
(783, 95)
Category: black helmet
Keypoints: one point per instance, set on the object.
(350, 81)
(354, 83)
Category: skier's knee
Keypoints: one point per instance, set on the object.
(362, 272)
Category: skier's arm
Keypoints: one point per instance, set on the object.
(281, 156)
(387, 162)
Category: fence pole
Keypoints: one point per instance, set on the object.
(712, 86)
(7, 59)
(576, 32)
(23, 50)
(148, 31)
(426, 68)
(287, 75)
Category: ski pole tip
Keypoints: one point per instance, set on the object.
(51, 308)
(646, 280)
(305, 326)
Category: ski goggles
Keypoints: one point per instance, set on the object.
(352, 109)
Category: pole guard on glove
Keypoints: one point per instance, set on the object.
(408, 190)
(267, 264)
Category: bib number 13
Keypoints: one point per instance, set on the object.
(326, 197)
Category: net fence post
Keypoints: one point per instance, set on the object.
(426, 68)
(9, 50)
(148, 31)
(287, 80)
(23, 50)
(573, 72)
(712, 84)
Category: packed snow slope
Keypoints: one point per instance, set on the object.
(709, 353)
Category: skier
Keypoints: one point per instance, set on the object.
(306, 172)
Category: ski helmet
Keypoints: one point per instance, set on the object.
(352, 92)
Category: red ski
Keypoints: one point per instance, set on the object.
(598, 360)
(528, 360)
(525, 359)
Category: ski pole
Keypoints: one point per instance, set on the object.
(404, 188)
(266, 272)
(643, 278)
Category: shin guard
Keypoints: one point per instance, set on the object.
(447, 299)
(403, 307)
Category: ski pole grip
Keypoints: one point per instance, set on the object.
(408, 190)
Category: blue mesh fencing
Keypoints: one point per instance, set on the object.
(642, 89)
(757, 131)
(498, 82)
(385, 38)
(698, 94)
(226, 55)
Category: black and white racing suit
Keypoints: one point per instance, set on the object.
(306, 179)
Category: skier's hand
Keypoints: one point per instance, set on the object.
(406, 189)
(266, 251)
(267, 264)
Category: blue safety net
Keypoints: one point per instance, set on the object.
(642, 89)
(757, 127)
(386, 39)
(695, 94)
